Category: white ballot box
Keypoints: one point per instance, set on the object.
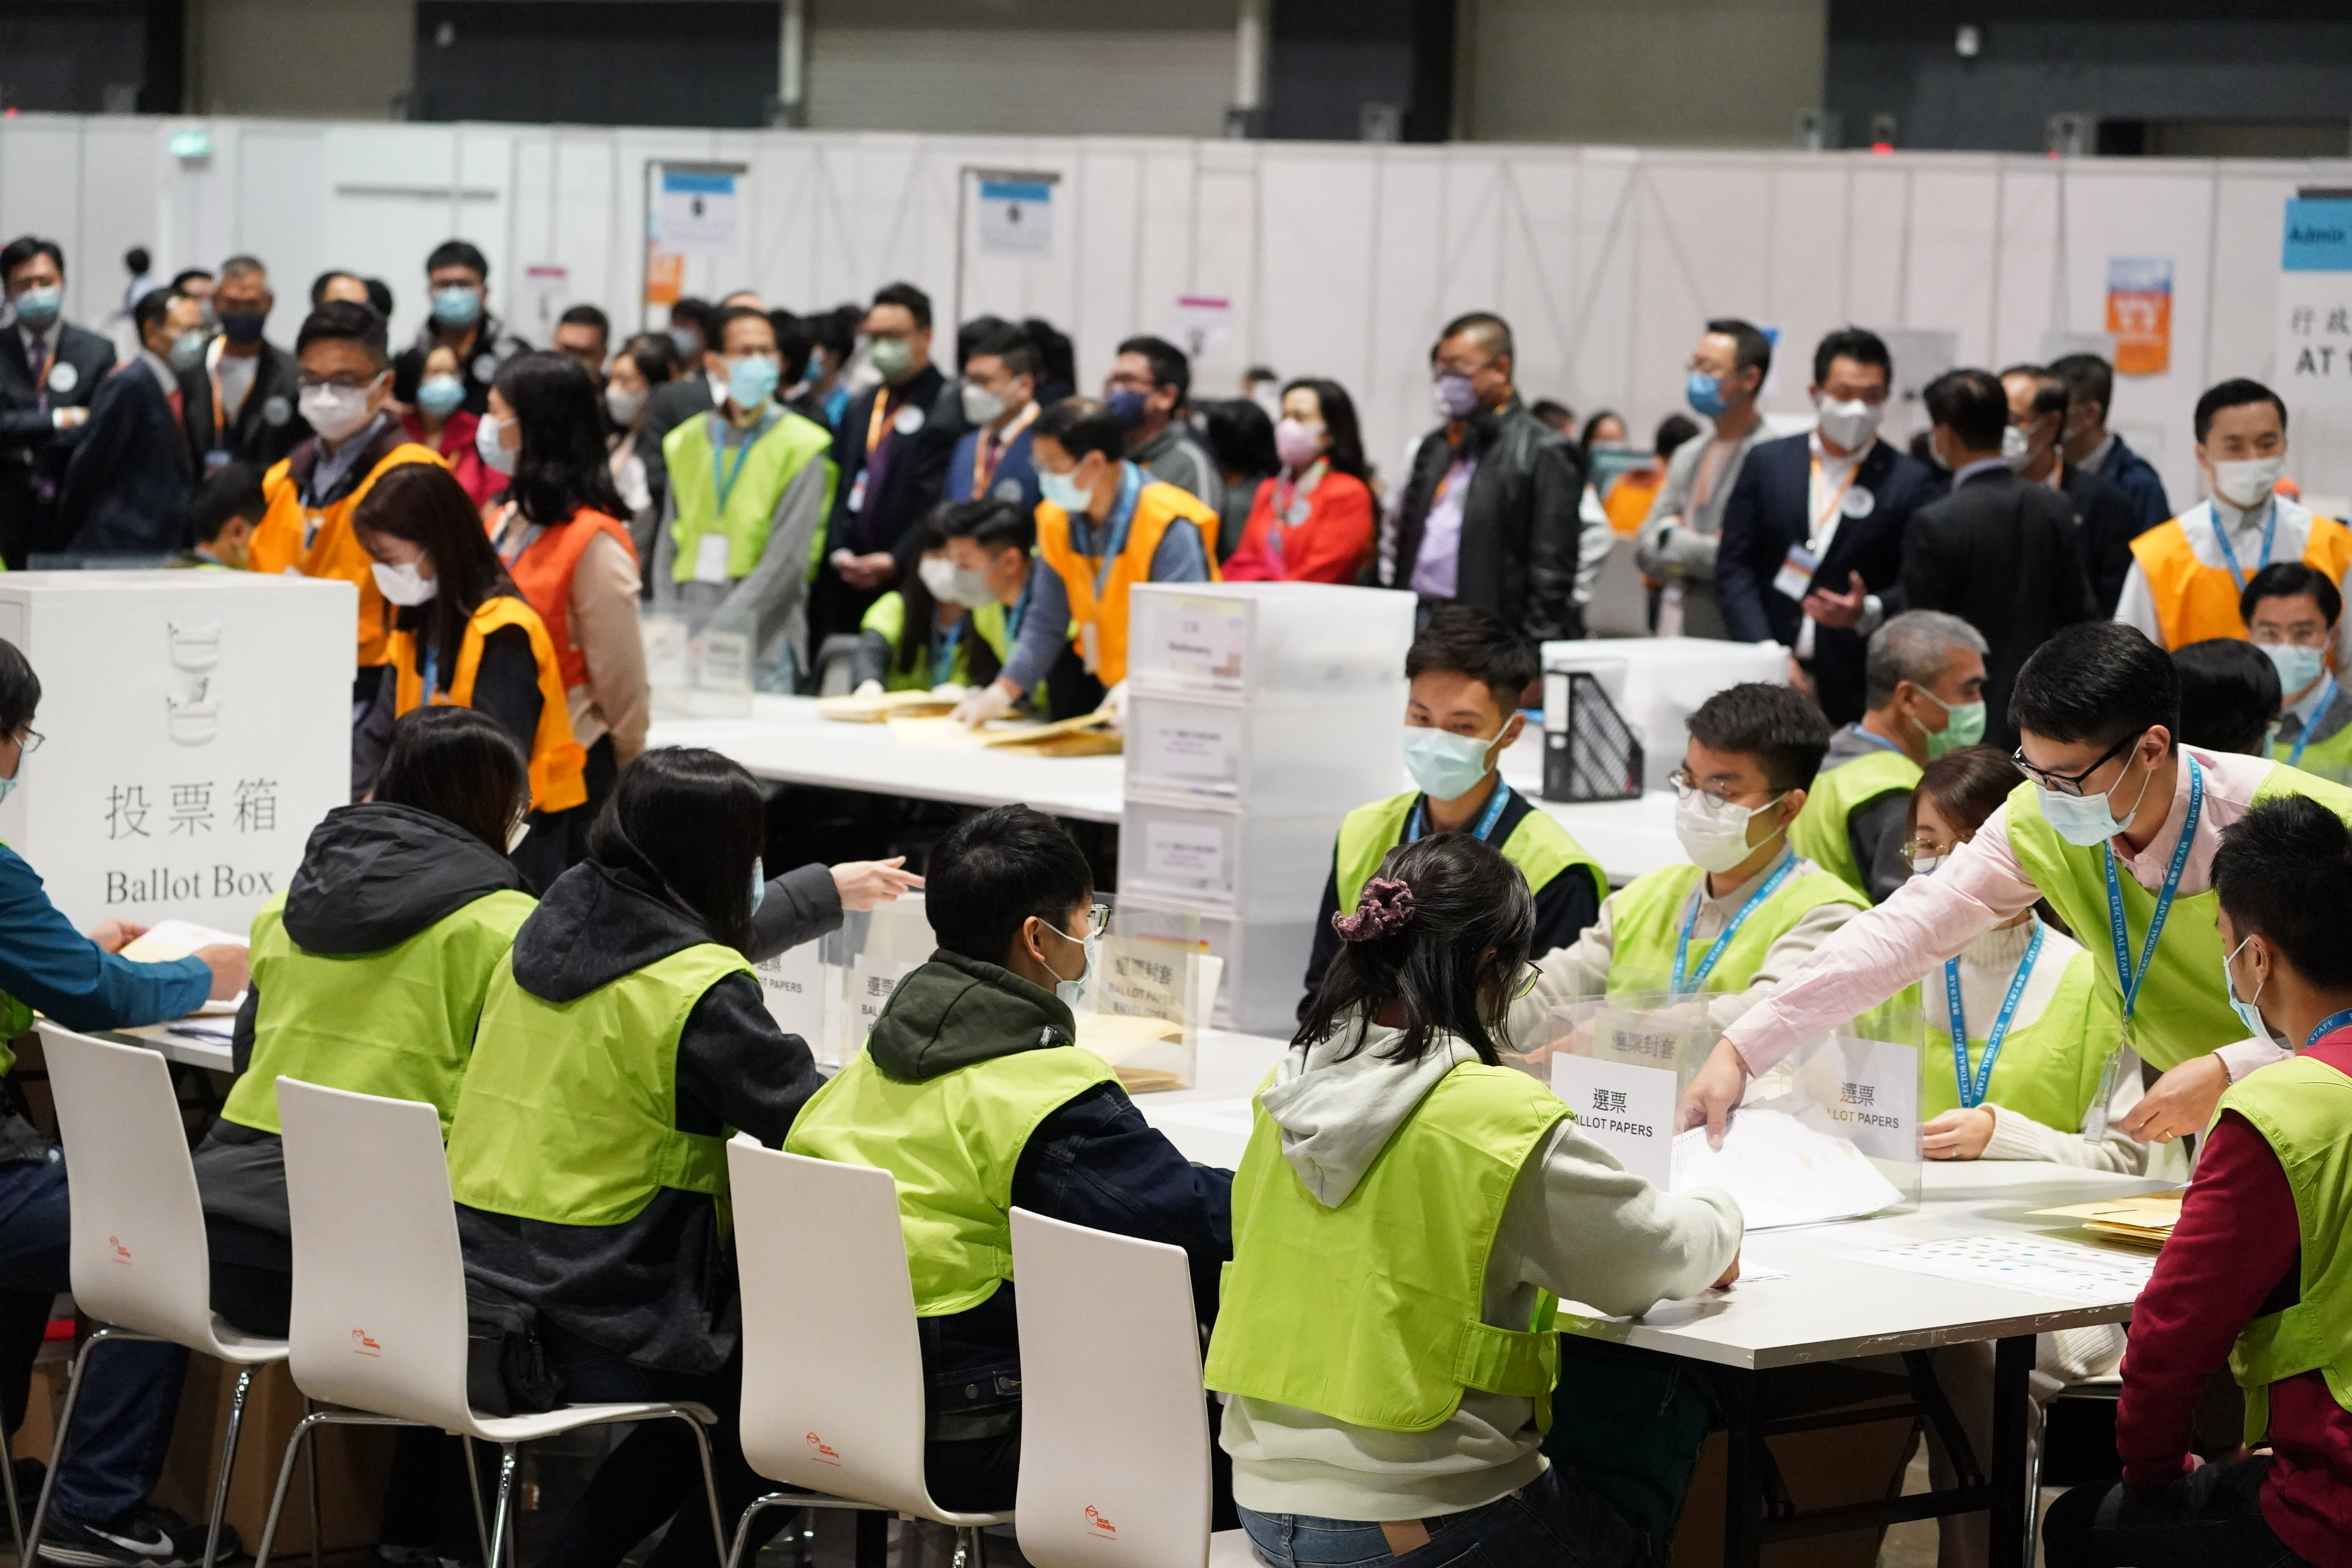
(195, 726)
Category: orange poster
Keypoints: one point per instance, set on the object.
(664, 275)
(2139, 313)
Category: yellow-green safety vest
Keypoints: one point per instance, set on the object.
(1540, 847)
(2183, 1012)
(1645, 919)
(952, 1142)
(2330, 759)
(2048, 1069)
(569, 1112)
(778, 453)
(397, 1023)
(886, 618)
(1371, 1311)
(2303, 1108)
(1821, 832)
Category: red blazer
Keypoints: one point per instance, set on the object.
(1329, 545)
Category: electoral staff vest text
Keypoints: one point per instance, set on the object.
(1540, 847)
(952, 1142)
(557, 762)
(2195, 602)
(1156, 505)
(777, 455)
(1371, 1311)
(569, 1112)
(397, 1023)
(319, 543)
(1821, 833)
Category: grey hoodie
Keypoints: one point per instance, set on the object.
(1578, 1224)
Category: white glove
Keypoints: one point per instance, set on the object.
(1114, 705)
(868, 690)
(989, 702)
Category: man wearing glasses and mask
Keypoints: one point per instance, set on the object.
(2116, 826)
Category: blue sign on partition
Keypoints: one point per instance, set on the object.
(2318, 236)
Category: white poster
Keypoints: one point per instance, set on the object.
(1017, 216)
(2314, 354)
(697, 212)
(793, 983)
(546, 291)
(1628, 1110)
(1201, 323)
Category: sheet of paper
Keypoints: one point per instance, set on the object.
(169, 940)
(1782, 1172)
(2029, 1262)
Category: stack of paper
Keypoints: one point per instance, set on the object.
(2144, 1220)
(167, 941)
(1782, 1172)
(883, 705)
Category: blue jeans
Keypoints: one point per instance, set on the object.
(1553, 1521)
(122, 1420)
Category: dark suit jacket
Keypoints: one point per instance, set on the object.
(128, 488)
(914, 471)
(268, 424)
(1770, 508)
(2109, 524)
(34, 452)
(2006, 556)
(2136, 478)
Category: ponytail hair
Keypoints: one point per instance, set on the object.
(1441, 932)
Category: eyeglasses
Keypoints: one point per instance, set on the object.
(28, 740)
(2071, 783)
(1916, 850)
(1527, 982)
(1686, 787)
(341, 382)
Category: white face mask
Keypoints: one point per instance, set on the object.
(403, 585)
(1925, 865)
(625, 407)
(1850, 425)
(338, 412)
(1714, 833)
(2246, 483)
(489, 444)
(2016, 448)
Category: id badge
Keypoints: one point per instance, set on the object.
(710, 558)
(1090, 645)
(857, 492)
(1795, 577)
(218, 458)
(312, 522)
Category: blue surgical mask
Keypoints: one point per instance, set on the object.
(689, 346)
(1064, 490)
(2086, 821)
(37, 308)
(752, 381)
(815, 369)
(2298, 666)
(1071, 991)
(759, 884)
(440, 395)
(1445, 766)
(2248, 1014)
(8, 786)
(1128, 407)
(457, 306)
(1704, 393)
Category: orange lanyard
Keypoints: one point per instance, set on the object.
(1829, 510)
(877, 426)
(991, 453)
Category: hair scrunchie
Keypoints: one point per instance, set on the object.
(1384, 908)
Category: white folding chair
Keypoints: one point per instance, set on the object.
(833, 1369)
(137, 1260)
(378, 1310)
(1114, 1419)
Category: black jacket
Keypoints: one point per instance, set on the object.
(1769, 510)
(2007, 557)
(2109, 522)
(33, 451)
(658, 1289)
(914, 468)
(129, 485)
(1520, 531)
(1095, 1161)
(268, 423)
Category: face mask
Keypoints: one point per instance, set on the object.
(336, 412)
(1064, 490)
(1130, 407)
(440, 395)
(689, 346)
(457, 306)
(1704, 393)
(1454, 397)
(2086, 821)
(187, 349)
(1925, 865)
(624, 407)
(1445, 766)
(1070, 991)
(1964, 725)
(759, 884)
(2248, 1014)
(894, 357)
(1298, 443)
(2247, 484)
(8, 785)
(488, 444)
(515, 835)
(1714, 833)
(980, 406)
(38, 308)
(938, 576)
(1851, 424)
(401, 584)
(243, 327)
(752, 381)
(2298, 666)
(2016, 451)
(814, 370)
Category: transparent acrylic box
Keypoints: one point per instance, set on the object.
(699, 670)
(1146, 1005)
(830, 991)
(1251, 864)
(1263, 963)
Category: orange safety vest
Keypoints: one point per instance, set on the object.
(333, 550)
(1157, 505)
(544, 570)
(2195, 602)
(557, 762)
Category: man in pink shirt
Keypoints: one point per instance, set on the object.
(2116, 828)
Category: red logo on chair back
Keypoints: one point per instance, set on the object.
(822, 1452)
(362, 1345)
(121, 1253)
(1100, 1525)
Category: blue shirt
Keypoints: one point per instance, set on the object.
(47, 964)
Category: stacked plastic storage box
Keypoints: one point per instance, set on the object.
(1258, 715)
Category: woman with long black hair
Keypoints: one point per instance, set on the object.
(1312, 522)
(563, 536)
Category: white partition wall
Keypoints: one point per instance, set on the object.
(1338, 260)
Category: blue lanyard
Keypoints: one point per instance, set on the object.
(2270, 531)
(1877, 739)
(2329, 1026)
(1972, 1094)
(1020, 611)
(1415, 826)
(432, 671)
(2318, 711)
(1121, 517)
(943, 651)
(1706, 966)
(725, 481)
(2129, 979)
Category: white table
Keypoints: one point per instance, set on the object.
(196, 1053)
